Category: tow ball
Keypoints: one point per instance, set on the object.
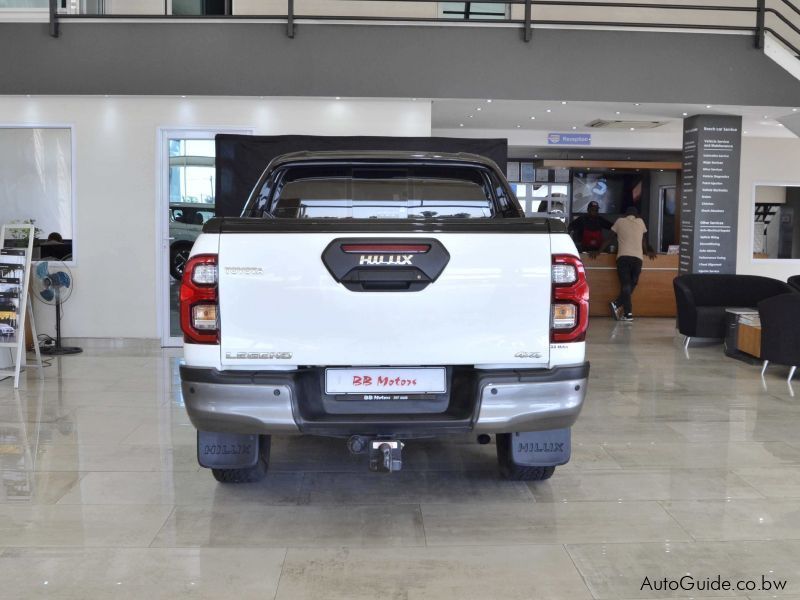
(385, 455)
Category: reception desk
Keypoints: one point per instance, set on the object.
(654, 296)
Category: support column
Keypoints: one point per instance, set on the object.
(712, 148)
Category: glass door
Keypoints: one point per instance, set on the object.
(188, 183)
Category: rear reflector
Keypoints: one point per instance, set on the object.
(386, 248)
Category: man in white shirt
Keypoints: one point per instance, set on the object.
(631, 235)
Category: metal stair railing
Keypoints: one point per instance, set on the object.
(759, 10)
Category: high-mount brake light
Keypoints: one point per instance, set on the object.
(386, 248)
(200, 301)
(570, 302)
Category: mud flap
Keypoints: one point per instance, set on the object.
(541, 448)
(226, 450)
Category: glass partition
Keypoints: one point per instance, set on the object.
(776, 222)
(36, 186)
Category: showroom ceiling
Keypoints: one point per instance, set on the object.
(563, 115)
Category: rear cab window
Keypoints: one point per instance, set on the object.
(347, 191)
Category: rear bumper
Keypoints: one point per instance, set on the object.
(270, 402)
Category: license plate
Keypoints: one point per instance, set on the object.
(386, 381)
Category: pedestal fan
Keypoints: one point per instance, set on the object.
(52, 284)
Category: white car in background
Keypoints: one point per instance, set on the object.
(6, 330)
(186, 221)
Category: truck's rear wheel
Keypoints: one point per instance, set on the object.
(511, 470)
(250, 474)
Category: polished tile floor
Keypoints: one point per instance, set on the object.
(682, 464)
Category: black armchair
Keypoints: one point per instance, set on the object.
(702, 299)
(780, 331)
(794, 281)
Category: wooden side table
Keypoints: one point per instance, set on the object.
(749, 339)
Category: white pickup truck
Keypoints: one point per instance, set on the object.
(382, 297)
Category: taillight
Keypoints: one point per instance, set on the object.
(570, 305)
(200, 300)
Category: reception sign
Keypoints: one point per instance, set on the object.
(569, 139)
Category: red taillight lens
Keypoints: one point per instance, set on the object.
(570, 310)
(199, 300)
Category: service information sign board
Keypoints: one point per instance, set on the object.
(710, 196)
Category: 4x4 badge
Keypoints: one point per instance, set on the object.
(528, 355)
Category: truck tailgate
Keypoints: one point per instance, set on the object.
(281, 305)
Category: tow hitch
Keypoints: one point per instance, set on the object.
(385, 455)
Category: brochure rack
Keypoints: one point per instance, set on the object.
(15, 302)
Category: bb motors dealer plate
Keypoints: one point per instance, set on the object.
(401, 380)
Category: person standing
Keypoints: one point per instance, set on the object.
(631, 234)
(587, 230)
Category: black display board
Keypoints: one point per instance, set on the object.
(710, 196)
(242, 158)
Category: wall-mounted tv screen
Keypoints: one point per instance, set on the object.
(614, 192)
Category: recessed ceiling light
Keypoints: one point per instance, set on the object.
(548, 110)
(460, 124)
(766, 117)
(183, 96)
(479, 108)
(563, 102)
(744, 132)
(708, 106)
(338, 97)
(489, 100)
(413, 99)
(535, 156)
(581, 155)
(618, 113)
(573, 127)
(518, 126)
(471, 116)
(685, 114)
(636, 104)
(633, 128)
(794, 110)
(533, 118)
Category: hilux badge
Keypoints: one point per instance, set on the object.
(379, 259)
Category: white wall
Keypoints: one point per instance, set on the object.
(116, 141)
(764, 161)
